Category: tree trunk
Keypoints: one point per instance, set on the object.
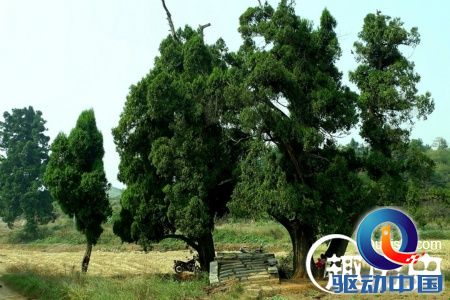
(339, 246)
(31, 228)
(336, 246)
(302, 238)
(86, 258)
(206, 251)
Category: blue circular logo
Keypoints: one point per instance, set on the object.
(391, 259)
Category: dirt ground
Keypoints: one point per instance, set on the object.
(8, 294)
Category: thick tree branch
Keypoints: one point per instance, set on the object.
(225, 181)
(169, 19)
(188, 241)
(282, 220)
(291, 153)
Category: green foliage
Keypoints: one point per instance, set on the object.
(441, 158)
(23, 141)
(388, 94)
(76, 178)
(388, 101)
(293, 102)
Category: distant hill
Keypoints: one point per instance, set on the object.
(114, 192)
(114, 198)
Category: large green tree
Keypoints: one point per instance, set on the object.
(76, 179)
(295, 106)
(177, 154)
(25, 145)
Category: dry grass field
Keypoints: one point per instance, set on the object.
(102, 263)
(63, 261)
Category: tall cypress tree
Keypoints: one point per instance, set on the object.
(76, 179)
(25, 146)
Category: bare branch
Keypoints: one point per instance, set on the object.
(201, 27)
(259, 1)
(239, 140)
(169, 19)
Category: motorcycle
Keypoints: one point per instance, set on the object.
(191, 265)
(259, 250)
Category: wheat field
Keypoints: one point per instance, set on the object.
(104, 263)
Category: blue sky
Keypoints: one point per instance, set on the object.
(64, 56)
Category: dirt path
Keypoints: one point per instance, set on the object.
(8, 294)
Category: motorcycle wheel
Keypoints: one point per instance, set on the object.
(178, 269)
